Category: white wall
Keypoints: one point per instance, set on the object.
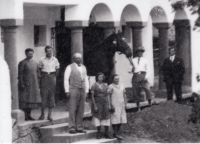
(33, 15)
(122, 63)
(1, 46)
(147, 40)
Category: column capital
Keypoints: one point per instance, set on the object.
(182, 23)
(162, 25)
(11, 22)
(136, 25)
(76, 24)
(108, 25)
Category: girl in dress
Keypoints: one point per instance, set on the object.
(100, 105)
(118, 105)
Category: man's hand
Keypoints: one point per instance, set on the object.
(67, 95)
(126, 106)
(95, 108)
(87, 97)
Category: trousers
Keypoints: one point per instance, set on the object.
(177, 87)
(76, 108)
(48, 89)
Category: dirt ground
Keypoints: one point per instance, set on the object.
(166, 122)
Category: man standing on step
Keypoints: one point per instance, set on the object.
(173, 70)
(49, 67)
(141, 73)
(76, 87)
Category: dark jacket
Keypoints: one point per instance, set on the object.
(173, 71)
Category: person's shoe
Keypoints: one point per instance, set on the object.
(118, 137)
(99, 135)
(81, 131)
(72, 131)
(30, 118)
(49, 118)
(106, 135)
(41, 117)
(139, 109)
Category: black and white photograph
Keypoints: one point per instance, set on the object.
(99, 71)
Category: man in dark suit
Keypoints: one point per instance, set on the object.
(173, 70)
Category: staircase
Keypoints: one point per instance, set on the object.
(59, 134)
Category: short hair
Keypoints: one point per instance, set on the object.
(47, 47)
(98, 74)
(114, 75)
(77, 55)
(28, 50)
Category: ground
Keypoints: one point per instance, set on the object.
(166, 122)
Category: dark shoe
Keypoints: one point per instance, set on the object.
(118, 137)
(81, 131)
(41, 117)
(106, 135)
(50, 118)
(30, 118)
(72, 131)
(98, 135)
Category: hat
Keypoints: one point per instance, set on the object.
(141, 48)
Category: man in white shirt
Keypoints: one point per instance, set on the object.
(76, 88)
(141, 73)
(49, 67)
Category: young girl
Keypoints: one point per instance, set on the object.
(101, 105)
(118, 105)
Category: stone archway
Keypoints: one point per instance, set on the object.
(183, 45)
(160, 43)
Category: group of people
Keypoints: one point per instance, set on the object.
(37, 85)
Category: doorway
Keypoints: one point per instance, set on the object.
(63, 53)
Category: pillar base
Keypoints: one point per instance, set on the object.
(18, 115)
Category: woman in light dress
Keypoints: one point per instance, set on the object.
(118, 105)
(100, 105)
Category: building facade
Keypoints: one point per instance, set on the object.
(37, 23)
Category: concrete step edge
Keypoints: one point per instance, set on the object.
(55, 126)
(103, 140)
(73, 135)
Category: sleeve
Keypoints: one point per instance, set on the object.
(66, 78)
(93, 88)
(130, 69)
(124, 90)
(86, 84)
(20, 72)
(40, 64)
(147, 70)
(57, 64)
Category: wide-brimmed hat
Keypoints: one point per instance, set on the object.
(140, 49)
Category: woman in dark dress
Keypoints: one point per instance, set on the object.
(100, 105)
(29, 93)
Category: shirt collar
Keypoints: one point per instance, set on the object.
(76, 64)
(50, 58)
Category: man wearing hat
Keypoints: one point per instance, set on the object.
(173, 70)
(141, 72)
(76, 88)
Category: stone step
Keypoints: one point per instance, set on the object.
(103, 140)
(157, 101)
(70, 138)
(54, 129)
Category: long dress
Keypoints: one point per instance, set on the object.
(29, 96)
(101, 100)
(117, 100)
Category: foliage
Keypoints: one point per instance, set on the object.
(194, 6)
